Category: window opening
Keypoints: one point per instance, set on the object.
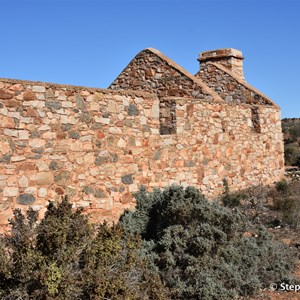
(167, 117)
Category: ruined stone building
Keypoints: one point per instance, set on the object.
(155, 125)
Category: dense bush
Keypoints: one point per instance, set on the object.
(286, 198)
(200, 248)
(64, 257)
(175, 245)
(231, 199)
(292, 154)
(291, 132)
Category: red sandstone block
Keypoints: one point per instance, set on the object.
(7, 122)
(28, 96)
(5, 95)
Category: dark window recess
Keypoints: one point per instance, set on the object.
(255, 120)
(167, 117)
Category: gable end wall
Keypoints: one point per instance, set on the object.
(149, 72)
(228, 87)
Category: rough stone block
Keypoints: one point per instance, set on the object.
(7, 122)
(45, 178)
(26, 199)
(38, 89)
(23, 181)
(127, 179)
(10, 191)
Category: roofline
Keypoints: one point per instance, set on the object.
(242, 82)
(174, 65)
(78, 87)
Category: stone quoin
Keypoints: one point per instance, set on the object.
(155, 125)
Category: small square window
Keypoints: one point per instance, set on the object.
(167, 117)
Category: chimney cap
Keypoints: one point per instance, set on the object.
(220, 53)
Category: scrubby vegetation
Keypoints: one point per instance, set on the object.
(174, 245)
(291, 132)
(64, 257)
(286, 198)
(201, 249)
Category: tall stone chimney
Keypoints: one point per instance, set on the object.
(230, 58)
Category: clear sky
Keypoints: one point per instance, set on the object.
(90, 42)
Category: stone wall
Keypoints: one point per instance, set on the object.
(151, 71)
(231, 59)
(98, 146)
(230, 87)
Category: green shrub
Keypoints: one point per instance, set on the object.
(64, 257)
(231, 199)
(199, 247)
(286, 198)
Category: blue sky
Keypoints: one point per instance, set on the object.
(90, 42)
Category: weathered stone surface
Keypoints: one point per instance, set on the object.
(127, 179)
(66, 127)
(55, 165)
(29, 96)
(70, 191)
(53, 105)
(44, 178)
(157, 155)
(88, 190)
(59, 191)
(50, 94)
(229, 88)
(26, 199)
(101, 145)
(132, 110)
(62, 178)
(80, 103)
(163, 78)
(126, 198)
(98, 193)
(7, 122)
(39, 89)
(85, 117)
(5, 204)
(74, 134)
(5, 95)
(37, 143)
(100, 134)
(39, 150)
(112, 106)
(28, 166)
(42, 192)
(10, 191)
(98, 143)
(5, 158)
(35, 134)
(101, 160)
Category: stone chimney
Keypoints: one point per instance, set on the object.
(230, 58)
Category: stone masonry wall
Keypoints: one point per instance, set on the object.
(229, 88)
(150, 72)
(98, 146)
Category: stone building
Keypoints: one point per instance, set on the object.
(155, 125)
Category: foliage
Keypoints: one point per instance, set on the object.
(286, 198)
(64, 257)
(291, 131)
(200, 248)
(231, 199)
